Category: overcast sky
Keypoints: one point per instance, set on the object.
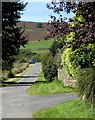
(37, 11)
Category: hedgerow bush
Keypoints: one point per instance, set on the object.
(56, 45)
(49, 67)
(74, 60)
(26, 55)
(69, 62)
(23, 60)
(3, 78)
(36, 57)
(44, 56)
(10, 74)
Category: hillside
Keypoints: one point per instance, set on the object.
(34, 32)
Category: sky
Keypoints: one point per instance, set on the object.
(36, 11)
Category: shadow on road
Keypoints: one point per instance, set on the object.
(11, 84)
(25, 76)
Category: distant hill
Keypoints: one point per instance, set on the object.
(35, 31)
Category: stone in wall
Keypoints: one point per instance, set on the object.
(66, 79)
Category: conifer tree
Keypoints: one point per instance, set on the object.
(12, 37)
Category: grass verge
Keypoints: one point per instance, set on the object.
(41, 87)
(69, 109)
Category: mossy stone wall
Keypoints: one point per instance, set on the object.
(66, 79)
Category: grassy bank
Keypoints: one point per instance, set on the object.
(16, 78)
(41, 87)
(17, 69)
(69, 109)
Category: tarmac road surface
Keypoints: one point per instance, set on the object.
(17, 104)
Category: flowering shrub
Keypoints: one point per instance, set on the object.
(58, 61)
(49, 68)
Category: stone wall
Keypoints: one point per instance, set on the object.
(66, 79)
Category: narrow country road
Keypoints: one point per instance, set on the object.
(17, 104)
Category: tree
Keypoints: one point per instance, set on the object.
(79, 48)
(12, 37)
(40, 25)
(85, 33)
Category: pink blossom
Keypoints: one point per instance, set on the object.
(58, 60)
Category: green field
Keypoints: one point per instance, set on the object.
(69, 109)
(38, 47)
